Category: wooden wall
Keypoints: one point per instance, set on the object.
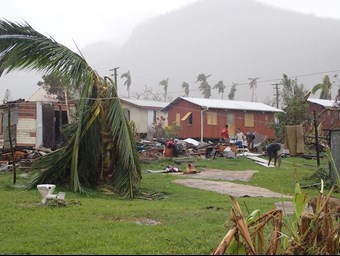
(234, 118)
(328, 118)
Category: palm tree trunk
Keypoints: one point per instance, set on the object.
(69, 118)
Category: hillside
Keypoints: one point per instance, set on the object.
(232, 40)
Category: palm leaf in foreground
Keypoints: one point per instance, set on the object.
(81, 160)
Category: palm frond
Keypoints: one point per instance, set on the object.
(21, 47)
(129, 170)
(79, 162)
(316, 88)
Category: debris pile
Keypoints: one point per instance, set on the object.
(23, 158)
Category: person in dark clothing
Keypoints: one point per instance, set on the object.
(250, 137)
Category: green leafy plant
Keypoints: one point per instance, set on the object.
(172, 130)
(305, 235)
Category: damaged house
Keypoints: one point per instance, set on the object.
(34, 123)
(144, 114)
(202, 118)
(328, 115)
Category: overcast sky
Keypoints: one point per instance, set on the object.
(83, 22)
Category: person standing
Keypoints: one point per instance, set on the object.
(239, 138)
(250, 137)
(225, 133)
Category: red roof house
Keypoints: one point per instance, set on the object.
(202, 118)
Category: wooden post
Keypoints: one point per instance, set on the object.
(335, 149)
(11, 144)
(316, 139)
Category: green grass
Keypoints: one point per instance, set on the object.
(190, 221)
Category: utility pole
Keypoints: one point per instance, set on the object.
(115, 75)
(277, 94)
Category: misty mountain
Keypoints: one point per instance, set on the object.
(232, 40)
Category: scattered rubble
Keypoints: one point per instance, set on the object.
(183, 151)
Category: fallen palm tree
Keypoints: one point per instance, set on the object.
(100, 146)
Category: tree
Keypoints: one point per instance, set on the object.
(293, 104)
(100, 146)
(325, 87)
(165, 84)
(54, 85)
(220, 86)
(185, 85)
(204, 87)
(147, 94)
(231, 95)
(127, 81)
(253, 85)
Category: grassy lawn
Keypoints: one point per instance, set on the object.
(168, 219)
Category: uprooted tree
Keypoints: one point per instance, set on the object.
(100, 144)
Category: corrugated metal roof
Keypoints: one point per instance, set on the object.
(226, 104)
(325, 103)
(145, 103)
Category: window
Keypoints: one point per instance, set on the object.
(212, 118)
(188, 116)
(127, 113)
(249, 120)
(178, 118)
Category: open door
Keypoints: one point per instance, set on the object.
(48, 126)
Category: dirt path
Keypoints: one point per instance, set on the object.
(217, 181)
(223, 175)
(203, 180)
(229, 188)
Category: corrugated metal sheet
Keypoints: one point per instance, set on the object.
(226, 104)
(13, 123)
(27, 110)
(324, 103)
(25, 129)
(145, 103)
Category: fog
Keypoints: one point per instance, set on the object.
(230, 40)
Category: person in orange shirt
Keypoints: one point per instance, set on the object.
(225, 133)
